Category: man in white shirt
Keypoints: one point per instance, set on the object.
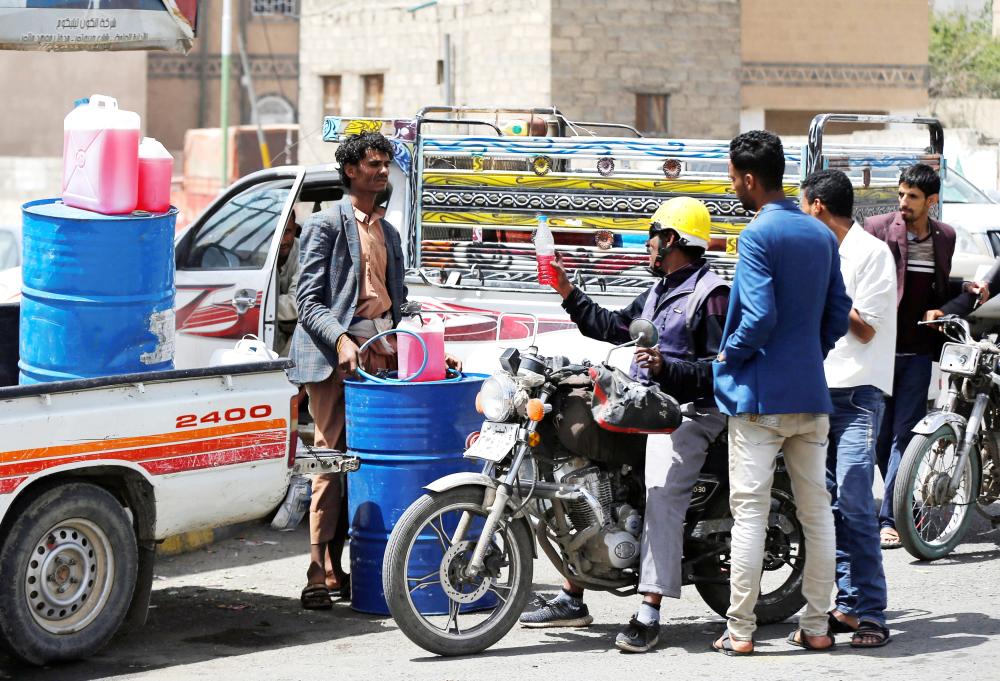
(859, 370)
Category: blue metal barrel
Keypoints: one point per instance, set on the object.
(98, 293)
(406, 435)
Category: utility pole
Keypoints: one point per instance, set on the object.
(226, 51)
(247, 80)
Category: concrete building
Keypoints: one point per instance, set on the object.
(641, 62)
(675, 67)
(803, 57)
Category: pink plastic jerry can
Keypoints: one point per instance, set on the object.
(156, 166)
(411, 354)
(101, 157)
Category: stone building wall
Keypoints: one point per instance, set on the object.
(500, 57)
(604, 52)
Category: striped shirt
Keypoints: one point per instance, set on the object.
(918, 293)
(920, 256)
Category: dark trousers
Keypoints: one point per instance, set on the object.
(903, 411)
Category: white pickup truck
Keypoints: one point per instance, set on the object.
(94, 472)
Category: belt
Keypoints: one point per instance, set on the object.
(367, 328)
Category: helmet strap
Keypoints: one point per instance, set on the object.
(661, 253)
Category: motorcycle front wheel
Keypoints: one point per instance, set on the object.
(930, 522)
(434, 602)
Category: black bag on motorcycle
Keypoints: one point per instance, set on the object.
(575, 428)
(623, 405)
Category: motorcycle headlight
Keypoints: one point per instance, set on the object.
(496, 397)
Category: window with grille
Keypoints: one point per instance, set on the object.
(331, 95)
(374, 86)
(651, 114)
(270, 8)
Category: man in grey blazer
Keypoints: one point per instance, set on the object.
(350, 288)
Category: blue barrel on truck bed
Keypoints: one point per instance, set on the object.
(98, 293)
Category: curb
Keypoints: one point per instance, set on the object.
(186, 542)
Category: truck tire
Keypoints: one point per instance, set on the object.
(68, 568)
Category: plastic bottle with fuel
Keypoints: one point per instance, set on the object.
(545, 252)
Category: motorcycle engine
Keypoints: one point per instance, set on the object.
(615, 546)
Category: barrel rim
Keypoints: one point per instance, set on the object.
(143, 215)
(467, 377)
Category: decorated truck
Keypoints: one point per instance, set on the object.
(466, 198)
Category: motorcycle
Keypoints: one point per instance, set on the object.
(952, 464)
(472, 537)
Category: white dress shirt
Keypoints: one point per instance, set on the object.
(869, 273)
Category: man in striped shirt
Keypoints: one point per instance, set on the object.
(922, 248)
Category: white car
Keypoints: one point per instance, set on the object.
(976, 219)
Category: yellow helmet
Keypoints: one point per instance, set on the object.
(687, 216)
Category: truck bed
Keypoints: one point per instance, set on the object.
(188, 433)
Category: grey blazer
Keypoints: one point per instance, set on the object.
(330, 256)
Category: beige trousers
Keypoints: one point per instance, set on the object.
(754, 443)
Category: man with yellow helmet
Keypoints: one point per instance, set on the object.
(688, 306)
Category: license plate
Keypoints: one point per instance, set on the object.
(494, 443)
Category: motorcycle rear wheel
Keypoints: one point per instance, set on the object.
(492, 602)
(929, 526)
(785, 548)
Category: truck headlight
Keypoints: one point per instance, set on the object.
(496, 397)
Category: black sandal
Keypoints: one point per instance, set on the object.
(726, 647)
(803, 641)
(871, 631)
(345, 588)
(838, 627)
(315, 597)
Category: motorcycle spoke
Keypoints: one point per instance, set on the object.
(441, 534)
(423, 582)
(453, 609)
(494, 589)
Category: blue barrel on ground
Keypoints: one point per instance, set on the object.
(407, 435)
(97, 295)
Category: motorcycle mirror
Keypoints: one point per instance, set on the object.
(643, 333)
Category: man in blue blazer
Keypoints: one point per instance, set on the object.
(787, 309)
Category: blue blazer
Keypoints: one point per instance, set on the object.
(787, 309)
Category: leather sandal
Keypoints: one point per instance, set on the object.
(870, 635)
(725, 646)
(803, 641)
(889, 538)
(837, 626)
(315, 597)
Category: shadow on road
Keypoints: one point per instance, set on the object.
(188, 625)
(916, 634)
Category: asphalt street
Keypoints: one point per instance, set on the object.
(231, 611)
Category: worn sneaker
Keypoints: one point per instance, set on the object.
(637, 637)
(557, 613)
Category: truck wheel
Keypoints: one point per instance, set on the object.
(68, 568)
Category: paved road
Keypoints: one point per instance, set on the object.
(232, 612)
